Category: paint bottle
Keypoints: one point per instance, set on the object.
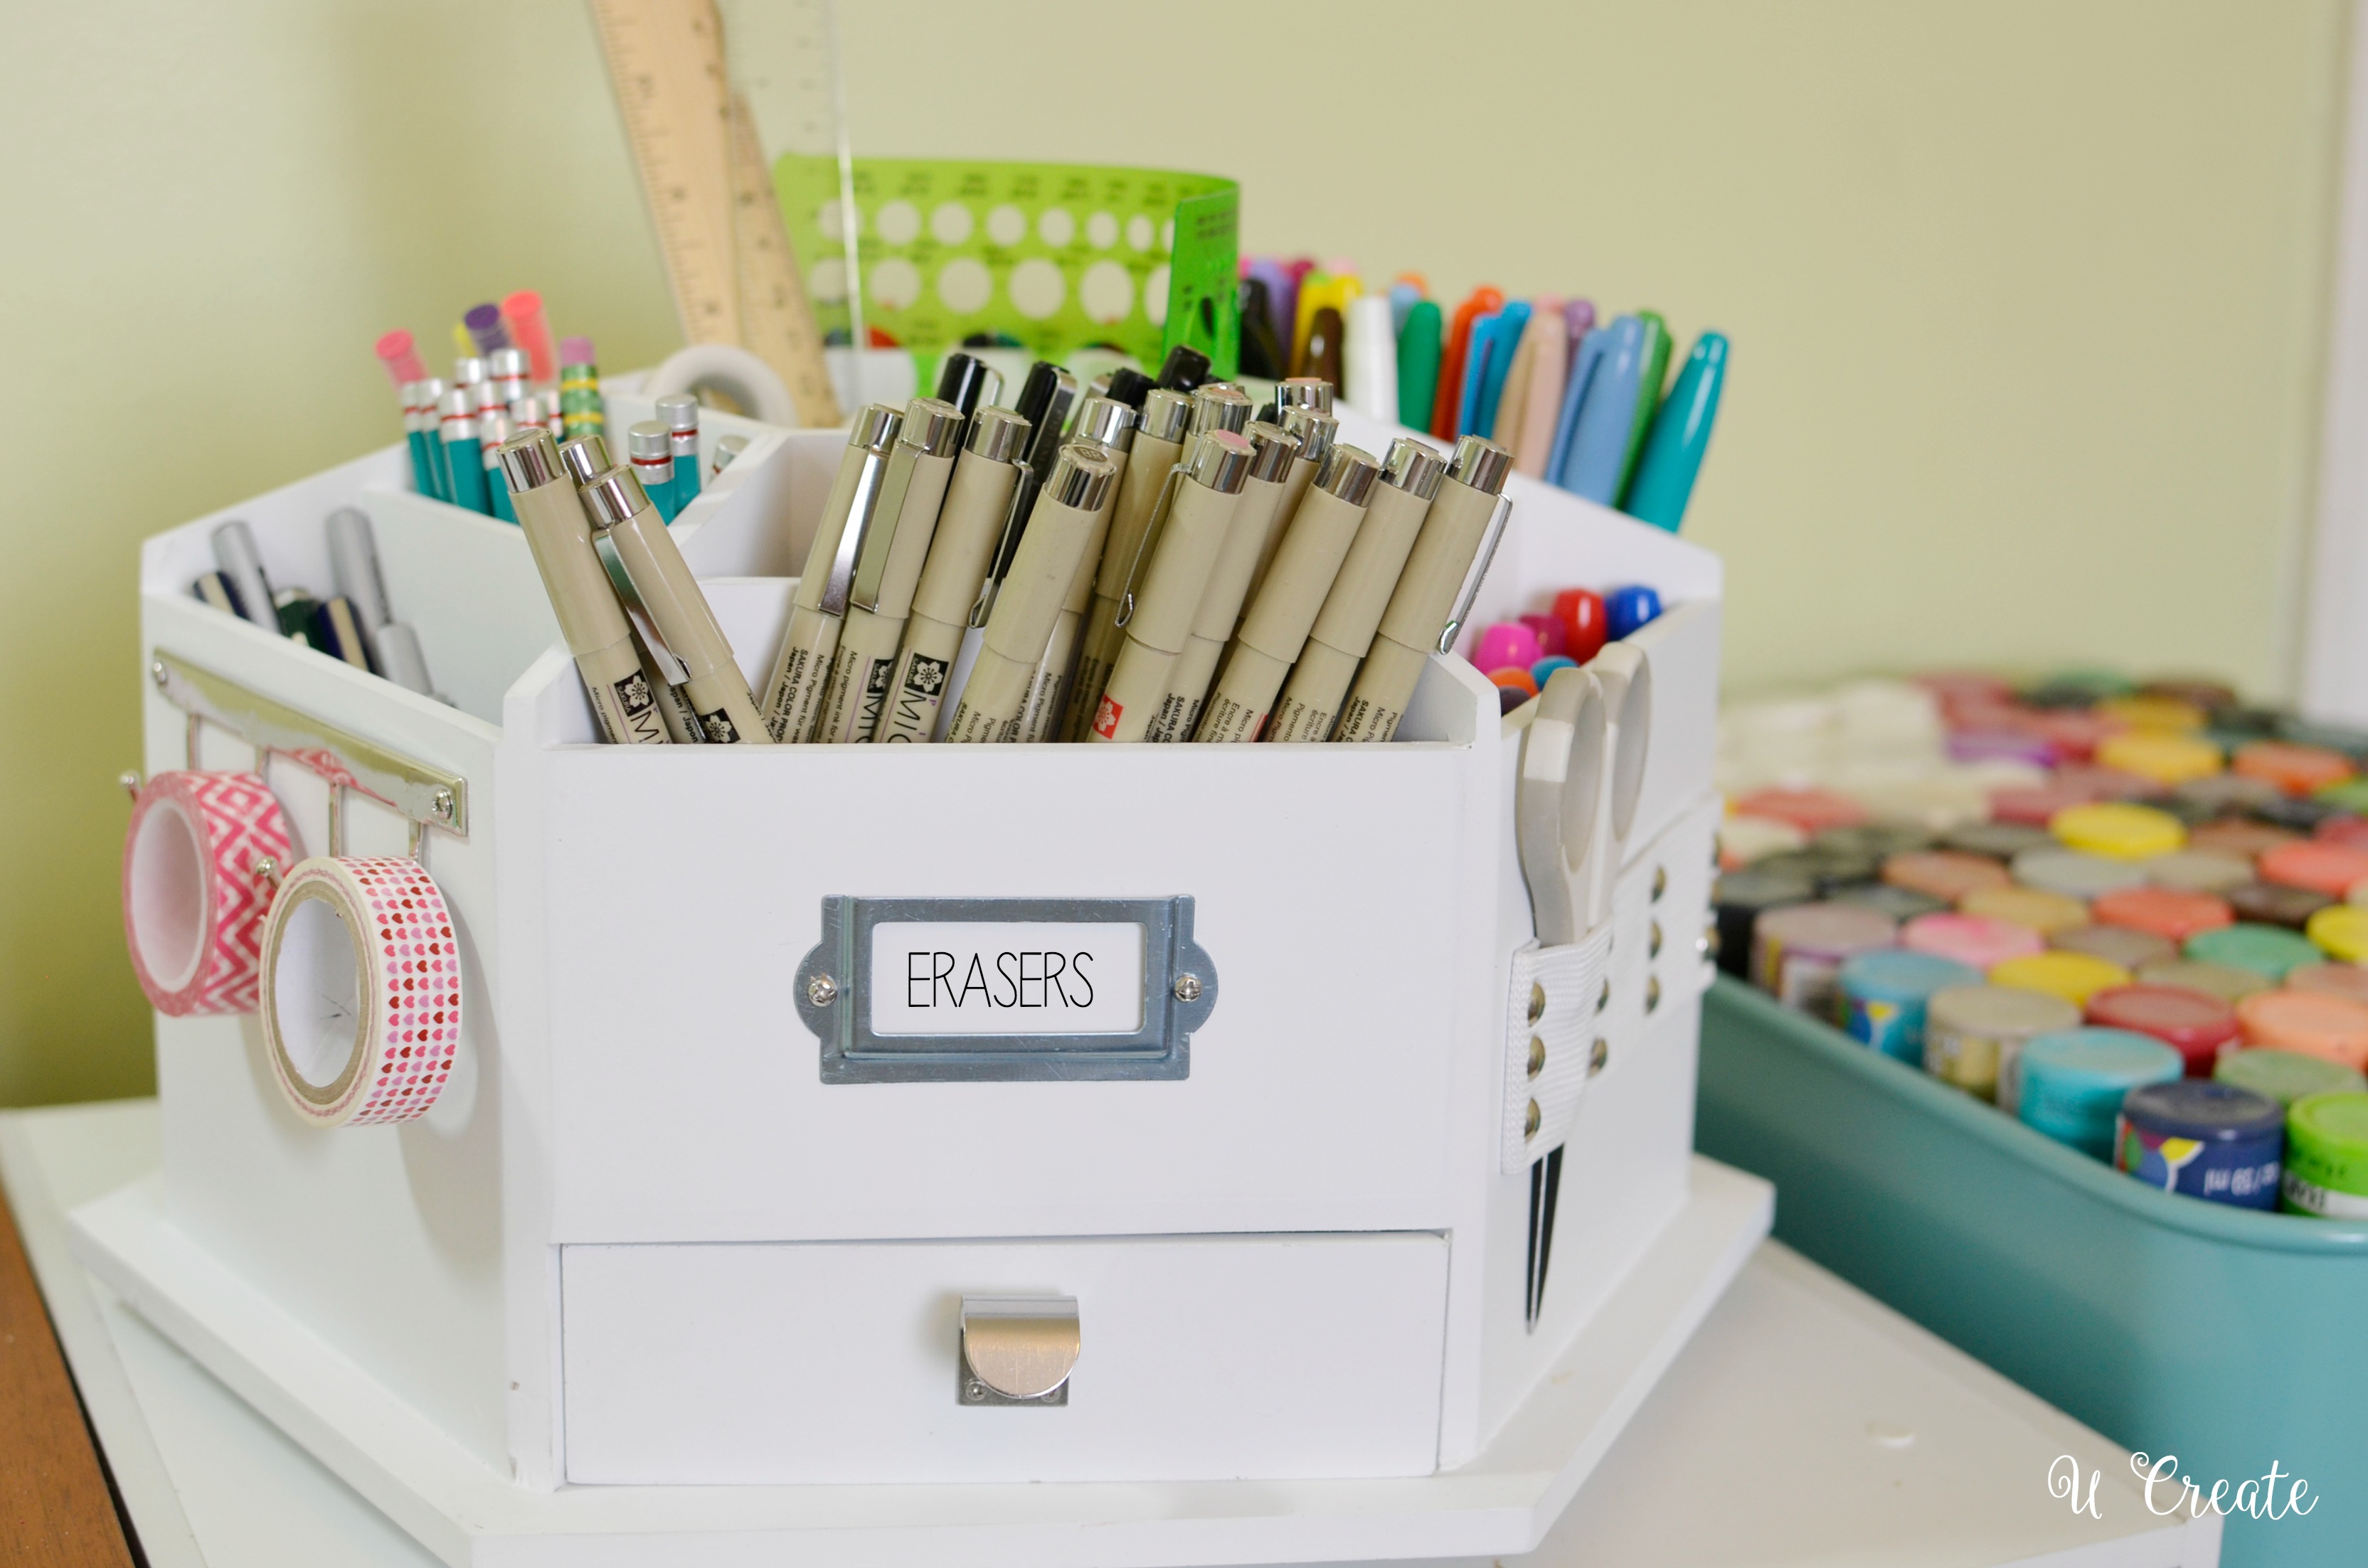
(2311, 1022)
(2234, 836)
(1811, 811)
(2227, 982)
(2316, 864)
(2265, 949)
(1902, 904)
(2165, 911)
(1884, 996)
(2166, 758)
(2193, 1024)
(2327, 1157)
(2115, 944)
(2199, 870)
(2076, 873)
(1945, 874)
(2073, 1081)
(1741, 897)
(2075, 977)
(2293, 769)
(1797, 951)
(1833, 869)
(1999, 840)
(1974, 1034)
(2218, 1141)
(2045, 912)
(2340, 931)
(2286, 1075)
(2333, 979)
(2266, 903)
(1976, 940)
(2118, 829)
(1630, 609)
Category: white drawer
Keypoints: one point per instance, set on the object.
(1201, 1358)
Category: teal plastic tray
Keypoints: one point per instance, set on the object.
(2174, 1326)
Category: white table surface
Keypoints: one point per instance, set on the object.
(1805, 1425)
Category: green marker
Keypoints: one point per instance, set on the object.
(1653, 374)
(1419, 355)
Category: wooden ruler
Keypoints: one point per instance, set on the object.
(727, 257)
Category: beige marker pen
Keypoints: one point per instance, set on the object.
(1109, 425)
(1453, 535)
(1273, 452)
(719, 695)
(1158, 441)
(559, 536)
(793, 697)
(1207, 500)
(1344, 629)
(1311, 392)
(1287, 604)
(888, 564)
(978, 499)
(1031, 595)
(1314, 433)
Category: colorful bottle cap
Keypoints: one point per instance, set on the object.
(2076, 873)
(1507, 645)
(2211, 695)
(1999, 840)
(1902, 904)
(2223, 793)
(2078, 688)
(2298, 771)
(1811, 811)
(1883, 994)
(1740, 897)
(2286, 1075)
(2218, 1141)
(2107, 783)
(2267, 949)
(2326, 1156)
(2045, 912)
(2311, 1022)
(2165, 757)
(1966, 685)
(1552, 640)
(2193, 1024)
(1630, 609)
(1996, 745)
(2334, 979)
(2301, 812)
(1876, 838)
(1831, 868)
(2227, 982)
(2232, 835)
(1584, 624)
(2118, 829)
(1515, 679)
(1946, 874)
(1509, 697)
(2352, 742)
(2316, 864)
(1545, 667)
(2075, 977)
(1743, 840)
(2072, 1082)
(2167, 912)
(2076, 733)
(2265, 903)
(2342, 930)
(2141, 711)
(2199, 870)
(2033, 805)
(2351, 796)
(1972, 940)
(1972, 1033)
(1797, 951)
(2114, 944)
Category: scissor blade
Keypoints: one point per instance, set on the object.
(1544, 1225)
(1530, 1274)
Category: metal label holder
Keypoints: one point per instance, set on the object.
(833, 980)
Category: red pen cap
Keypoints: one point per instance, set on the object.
(1584, 623)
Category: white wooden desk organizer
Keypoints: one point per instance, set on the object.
(654, 1274)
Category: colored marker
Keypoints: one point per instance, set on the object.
(507, 368)
(1506, 341)
(1529, 427)
(402, 360)
(1652, 376)
(1598, 453)
(1674, 448)
(1587, 359)
(419, 399)
(679, 414)
(529, 329)
(1418, 351)
(1447, 405)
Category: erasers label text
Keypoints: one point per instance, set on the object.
(1007, 978)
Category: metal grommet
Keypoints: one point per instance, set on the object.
(1537, 1001)
(1660, 882)
(1599, 1058)
(1652, 991)
(1533, 1120)
(1653, 940)
(1537, 1056)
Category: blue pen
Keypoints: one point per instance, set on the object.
(1583, 366)
(1505, 339)
(680, 415)
(1482, 343)
(1599, 448)
(1681, 434)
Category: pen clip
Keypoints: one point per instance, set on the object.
(671, 669)
(1490, 538)
(1015, 522)
(1146, 547)
(860, 509)
(880, 527)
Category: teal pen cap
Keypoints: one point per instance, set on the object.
(1681, 436)
(651, 455)
(679, 414)
(1652, 375)
(1420, 344)
(419, 410)
(464, 464)
(492, 429)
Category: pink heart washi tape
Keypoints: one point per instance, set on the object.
(193, 903)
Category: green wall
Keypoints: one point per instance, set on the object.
(2027, 299)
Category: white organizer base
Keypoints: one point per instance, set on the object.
(472, 1517)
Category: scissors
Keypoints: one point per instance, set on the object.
(1571, 827)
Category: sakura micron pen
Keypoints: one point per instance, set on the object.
(970, 383)
(1343, 629)
(1046, 402)
(585, 458)
(679, 414)
(241, 568)
(1313, 392)
(559, 536)
(651, 455)
(1108, 424)
(354, 568)
(888, 562)
(1158, 441)
(1031, 596)
(1464, 517)
(464, 464)
(1314, 433)
(1207, 499)
(718, 693)
(978, 500)
(1272, 451)
(793, 697)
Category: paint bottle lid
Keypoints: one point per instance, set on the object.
(1897, 975)
(1545, 667)
(1505, 646)
(2351, 796)
(2286, 1076)
(2227, 982)
(1832, 867)
(1875, 838)
(1811, 811)
(1999, 840)
(2195, 1024)
(2033, 805)
(2101, 783)
(2165, 757)
(1832, 931)
(2165, 911)
(2045, 912)
(2002, 744)
(2199, 870)
(2234, 835)
(1900, 903)
(2301, 812)
(2073, 1081)
(2296, 769)
(2341, 929)
(2316, 864)
(1630, 609)
(1947, 874)
(2327, 1142)
(2078, 688)
(2114, 944)
(2266, 949)
(2226, 792)
(2309, 1021)
(2075, 977)
(1755, 888)
(2118, 829)
(1972, 940)
(2267, 904)
(2332, 978)
(1744, 841)
(2076, 872)
(1997, 1013)
(2209, 695)
(2142, 712)
(2207, 1111)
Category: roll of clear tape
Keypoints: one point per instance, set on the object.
(360, 991)
(195, 891)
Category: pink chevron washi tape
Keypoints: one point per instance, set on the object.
(362, 990)
(193, 903)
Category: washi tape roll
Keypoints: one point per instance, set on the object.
(193, 907)
(361, 991)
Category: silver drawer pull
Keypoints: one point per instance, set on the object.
(1018, 1349)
